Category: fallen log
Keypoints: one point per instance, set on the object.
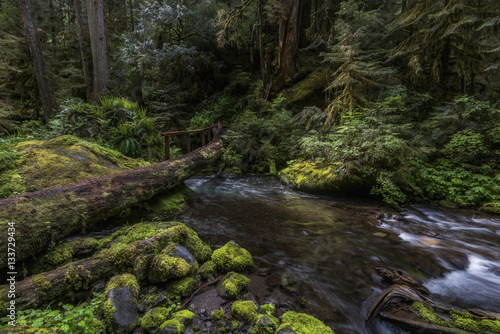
(80, 275)
(31, 222)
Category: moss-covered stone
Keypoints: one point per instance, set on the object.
(232, 285)
(200, 250)
(121, 281)
(185, 317)
(183, 287)
(154, 318)
(264, 324)
(11, 183)
(77, 278)
(218, 315)
(178, 322)
(493, 207)
(25, 329)
(207, 270)
(231, 257)
(302, 323)
(164, 267)
(268, 309)
(67, 159)
(245, 311)
(323, 176)
(172, 201)
(120, 304)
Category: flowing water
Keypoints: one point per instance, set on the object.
(331, 245)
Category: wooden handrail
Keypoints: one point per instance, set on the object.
(188, 139)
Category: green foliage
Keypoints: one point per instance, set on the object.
(70, 319)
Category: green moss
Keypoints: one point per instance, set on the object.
(185, 317)
(63, 253)
(218, 315)
(264, 324)
(166, 267)
(43, 286)
(232, 257)
(172, 201)
(25, 329)
(268, 309)
(245, 311)
(108, 310)
(465, 321)
(183, 287)
(67, 159)
(426, 312)
(308, 88)
(121, 281)
(77, 278)
(321, 176)
(207, 270)
(302, 323)
(154, 318)
(174, 326)
(11, 183)
(232, 285)
(200, 250)
(493, 207)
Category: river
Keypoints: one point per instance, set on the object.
(330, 245)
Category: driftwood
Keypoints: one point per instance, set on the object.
(47, 216)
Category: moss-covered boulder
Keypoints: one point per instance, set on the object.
(120, 304)
(245, 311)
(164, 267)
(264, 324)
(207, 270)
(178, 323)
(231, 257)
(301, 323)
(232, 285)
(154, 318)
(324, 176)
(183, 287)
(67, 159)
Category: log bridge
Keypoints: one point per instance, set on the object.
(35, 221)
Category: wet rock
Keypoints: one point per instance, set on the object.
(231, 257)
(264, 324)
(141, 266)
(178, 323)
(293, 322)
(180, 252)
(164, 267)
(452, 260)
(232, 285)
(120, 308)
(273, 280)
(154, 318)
(264, 272)
(430, 233)
(207, 270)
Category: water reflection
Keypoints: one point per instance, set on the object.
(331, 244)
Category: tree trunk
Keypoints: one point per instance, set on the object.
(42, 80)
(80, 275)
(47, 216)
(83, 50)
(288, 44)
(98, 44)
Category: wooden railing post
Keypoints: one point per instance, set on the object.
(167, 147)
(202, 138)
(209, 133)
(188, 142)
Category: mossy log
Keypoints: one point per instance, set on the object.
(47, 216)
(80, 275)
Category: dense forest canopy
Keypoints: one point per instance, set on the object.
(400, 96)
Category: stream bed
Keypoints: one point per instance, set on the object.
(330, 245)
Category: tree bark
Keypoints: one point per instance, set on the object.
(83, 50)
(42, 80)
(47, 216)
(288, 44)
(80, 275)
(98, 44)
